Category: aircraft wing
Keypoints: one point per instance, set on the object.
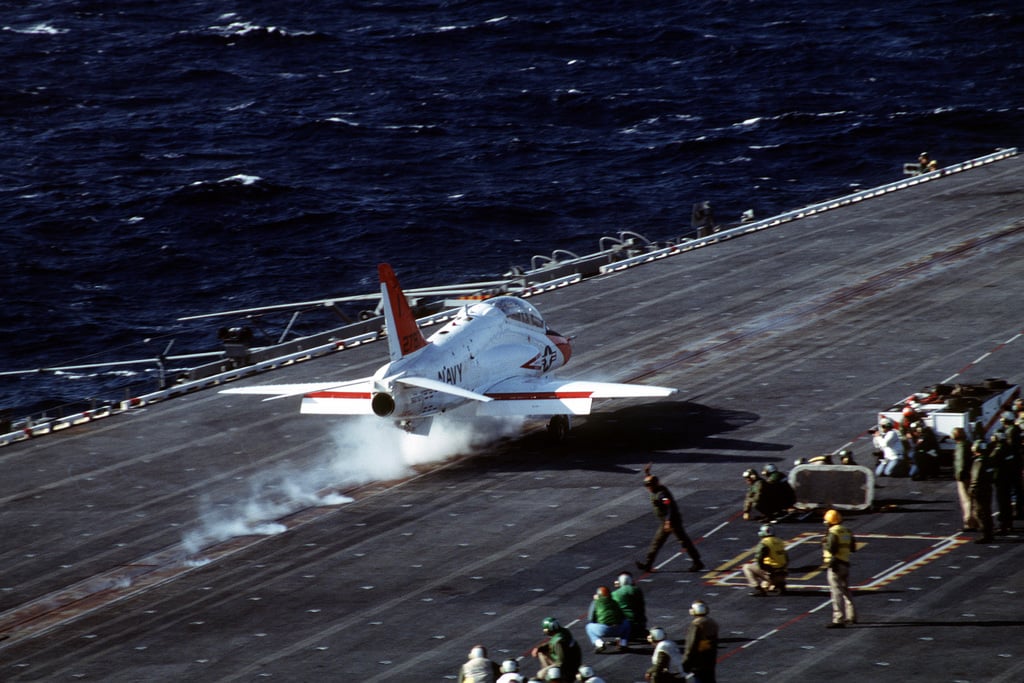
(548, 396)
(281, 390)
(322, 398)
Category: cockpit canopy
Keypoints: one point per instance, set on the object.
(513, 308)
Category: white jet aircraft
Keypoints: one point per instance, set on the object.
(493, 358)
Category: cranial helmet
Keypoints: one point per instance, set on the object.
(625, 579)
(509, 666)
(478, 652)
(766, 530)
(770, 468)
(747, 474)
(656, 634)
(586, 672)
(554, 673)
(833, 517)
(550, 625)
(699, 608)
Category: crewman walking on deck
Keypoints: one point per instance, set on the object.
(837, 547)
(671, 523)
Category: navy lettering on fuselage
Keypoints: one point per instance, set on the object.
(451, 374)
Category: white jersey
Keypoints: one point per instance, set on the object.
(511, 678)
(890, 445)
(671, 650)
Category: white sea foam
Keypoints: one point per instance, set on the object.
(41, 29)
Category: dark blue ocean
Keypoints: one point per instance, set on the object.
(162, 159)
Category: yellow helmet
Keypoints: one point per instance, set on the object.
(833, 517)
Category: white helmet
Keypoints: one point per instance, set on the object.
(699, 608)
(585, 673)
(478, 652)
(553, 673)
(656, 634)
(509, 666)
(625, 579)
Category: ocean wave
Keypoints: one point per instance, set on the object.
(241, 30)
(41, 29)
(236, 188)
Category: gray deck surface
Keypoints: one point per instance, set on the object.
(782, 343)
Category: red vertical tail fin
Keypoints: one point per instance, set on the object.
(404, 335)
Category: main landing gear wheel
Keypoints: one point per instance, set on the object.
(558, 428)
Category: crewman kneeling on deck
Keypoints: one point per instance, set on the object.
(478, 668)
(607, 625)
(768, 570)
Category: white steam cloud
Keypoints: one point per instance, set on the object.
(364, 450)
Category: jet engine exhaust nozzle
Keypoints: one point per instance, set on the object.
(382, 404)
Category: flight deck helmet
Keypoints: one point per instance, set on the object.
(766, 530)
(699, 608)
(833, 517)
(550, 625)
(656, 634)
(509, 666)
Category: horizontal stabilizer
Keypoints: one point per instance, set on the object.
(538, 396)
(436, 385)
(613, 390)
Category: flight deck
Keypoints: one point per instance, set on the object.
(222, 538)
